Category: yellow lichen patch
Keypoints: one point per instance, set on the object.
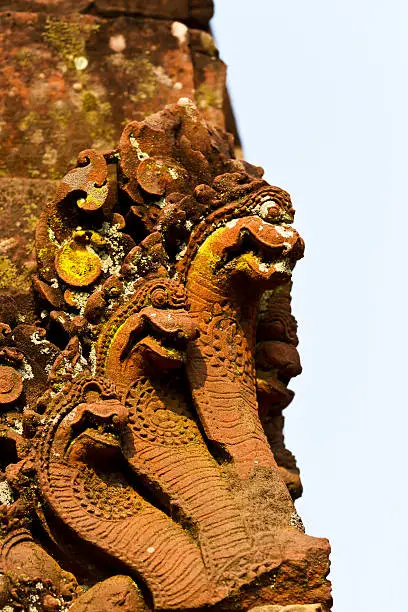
(11, 277)
(88, 236)
(89, 102)
(30, 223)
(61, 114)
(29, 246)
(207, 257)
(77, 265)
(208, 44)
(145, 73)
(207, 97)
(247, 261)
(95, 198)
(28, 121)
(69, 39)
(30, 212)
(98, 114)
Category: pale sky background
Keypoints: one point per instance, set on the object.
(320, 93)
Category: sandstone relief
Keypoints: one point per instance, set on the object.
(147, 341)
(143, 464)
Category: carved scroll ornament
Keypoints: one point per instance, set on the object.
(144, 409)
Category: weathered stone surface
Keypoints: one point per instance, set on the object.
(147, 348)
(71, 82)
(277, 362)
(142, 260)
(20, 206)
(60, 74)
(296, 608)
(209, 77)
(47, 6)
(116, 593)
(194, 12)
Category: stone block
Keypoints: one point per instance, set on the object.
(294, 608)
(194, 12)
(69, 83)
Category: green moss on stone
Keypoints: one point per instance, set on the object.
(98, 116)
(208, 44)
(89, 102)
(11, 277)
(207, 97)
(68, 38)
(143, 71)
(28, 121)
(61, 114)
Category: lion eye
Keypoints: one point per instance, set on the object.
(159, 297)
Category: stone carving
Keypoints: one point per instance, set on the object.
(306, 608)
(277, 361)
(145, 465)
